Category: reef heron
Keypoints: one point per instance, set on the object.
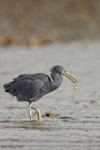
(31, 87)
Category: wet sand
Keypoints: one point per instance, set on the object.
(75, 124)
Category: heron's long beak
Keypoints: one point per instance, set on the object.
(66, 74)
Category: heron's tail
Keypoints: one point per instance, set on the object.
(8, 87)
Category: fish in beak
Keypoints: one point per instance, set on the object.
(69, 76)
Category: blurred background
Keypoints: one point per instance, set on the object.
(38, 22)
(34, 36)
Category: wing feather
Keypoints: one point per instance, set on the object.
(24, 89)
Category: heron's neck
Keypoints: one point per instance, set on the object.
(57, 80)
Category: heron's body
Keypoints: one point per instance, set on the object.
(31, 87)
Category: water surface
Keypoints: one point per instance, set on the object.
(76, 120)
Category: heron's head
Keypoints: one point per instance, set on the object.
(60, 70)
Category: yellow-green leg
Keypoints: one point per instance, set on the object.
(30, 111)
(37, 112)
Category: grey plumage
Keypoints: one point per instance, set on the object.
(31, 87)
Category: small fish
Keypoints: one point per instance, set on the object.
(76, 86)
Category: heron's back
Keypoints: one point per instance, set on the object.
(28, 86)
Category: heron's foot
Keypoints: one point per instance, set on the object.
(37, 112)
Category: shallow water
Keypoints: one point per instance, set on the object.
(76, 120)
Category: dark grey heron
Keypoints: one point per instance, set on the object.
(31, 87)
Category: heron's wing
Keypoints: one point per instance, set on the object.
(25, 88)
(38, 76)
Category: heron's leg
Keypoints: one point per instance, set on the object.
(30, 111)
(37, 111)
